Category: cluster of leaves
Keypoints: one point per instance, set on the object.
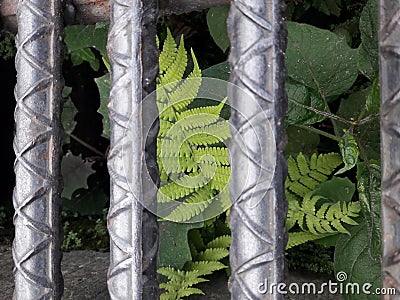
(192, 156)
(206, 259)
(7, 45)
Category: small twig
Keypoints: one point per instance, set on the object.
(315, 130)
(323, 113)
(83, 143)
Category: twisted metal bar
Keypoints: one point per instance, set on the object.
(133, 230)
(390, 140)
(258, 39)
(37, 145)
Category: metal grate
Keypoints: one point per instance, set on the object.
(258, 39)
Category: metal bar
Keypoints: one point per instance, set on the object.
(88, 12)
(133, 230)
(389, 48)
(257, 217)
(37, 145)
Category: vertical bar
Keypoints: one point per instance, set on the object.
(258, 39)
(37, 146)
(389, 48)
(133, 230)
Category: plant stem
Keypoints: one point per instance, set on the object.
(83, 143)
(315, 130)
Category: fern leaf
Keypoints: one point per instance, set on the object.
(329, 218)
(176, 69)
(206, 267)
(209, 155)
(304, 177)
(189, 291)
(297, 238)
(168, 53)
(221, 178)
(171, 273)
(223, 241)
(213, 254)
(194, 205)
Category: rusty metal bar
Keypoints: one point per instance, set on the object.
(133, 230)
(37, 145)
(257, 218)
(389, 48)
(88, 12)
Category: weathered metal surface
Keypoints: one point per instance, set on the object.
(37, 145)
(92, 11)
(257, 217)
(133, 231)
(390, 140)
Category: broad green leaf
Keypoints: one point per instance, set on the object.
(68, 114)
(364, 64)
(103, 84)
(174, 249)
(368, 51)
(75, 172)
(373, 102)
(320, 59)
(369, 193)
(301, 140)
(336, 190)
(87, 201)
(81, 36)
(349, 151)
(216, 21)
(220, 71)
(85, 54)
(299, 95)
(353, 256)
(369, 133)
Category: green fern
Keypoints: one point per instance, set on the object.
(328, 218)
(304, 176)
(180, 282)
(194, 167)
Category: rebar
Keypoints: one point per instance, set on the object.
(389, 50)
(37, 145)
(257, 217)
(133, 230)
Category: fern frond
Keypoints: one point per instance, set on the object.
(297, 238)
(210, 155)
(177, 164)
(329, 218)
(168, 53)
(304, 177)
(213, 254)
(194, 205)
(206, 267)
(176, 69)
(209, 135)
(213, 110)
(181, 187)
(223, 241)
(221, 177)
(170, 148)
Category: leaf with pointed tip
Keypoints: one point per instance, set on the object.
(331, 71)
(75, 172)
(103, 84)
